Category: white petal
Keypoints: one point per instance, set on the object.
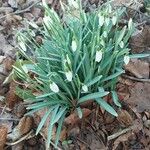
(121, 44)
(47, 20)
(130, 23)
(74, 46)
(69, 75)
(75, 4)
(126, 59)
(22, 45)
(85, 88)
(114, 20)
(101, 20)
(98, 56)
(68, 59)
(105, 34)
(54, 87)
(107, 21)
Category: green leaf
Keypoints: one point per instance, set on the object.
(139, 55)
(43, 120)
(113, 76)
(106, 106)
(115, 98)
(92, 96)
(93, 81)
(24, 94)
(59, 114)
(45, 95)
(60, 123)
(80, 113)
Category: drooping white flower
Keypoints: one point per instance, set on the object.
(101, 20)
(68, 59)
(74, 46)
(114, 20)
(105, 34)
(130, 23)
(85, 88)
(54, 87)
(47, 20)
(69, 75)
(126, 59)
(109, 8)
(107, 21)
(98, 56)
(121, 44)
(74, 4)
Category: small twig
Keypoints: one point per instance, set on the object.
(83, 142)
(56, 147)
(9, 119)
(136, 79)
(21, 139)
(115, 135)
(21, 11)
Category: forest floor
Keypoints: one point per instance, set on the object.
(98, 130)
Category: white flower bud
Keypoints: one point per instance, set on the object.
(126, 59)
(75, 4)
(121, 44)
(98, 56)
(47, 20)
(85, 88)
(101, 20)
(114, 20)
(54, 87)
(105, 34)
(69, 75)
(68, 59)
(74, 46)
(107, 21)
(130, 24)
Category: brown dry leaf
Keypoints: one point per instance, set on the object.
(8, 62)
(24, 126)
(12, 98)
(13, 3)
(140, 40)
(3, 136)
(138, 68)
(19, 109)
(38, 115)
(120, 139)
(140, 96)
(6, 48)
(73, 118)
(124, 118)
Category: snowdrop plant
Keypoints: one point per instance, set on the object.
(80, 59)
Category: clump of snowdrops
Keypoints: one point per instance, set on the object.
(80, 58)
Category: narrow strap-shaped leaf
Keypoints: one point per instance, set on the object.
(45, 95)
(106, 106)
(113, 76)
(43, 104)
(93, 81)
(79, 111)
(115, 98)
(43, 120)
(50, 128)
(59, 114)
(54, 114)
(92, 96)
(60, 123)
(139, 55)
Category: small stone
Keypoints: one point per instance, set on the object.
(28, 16)
(2, 58)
